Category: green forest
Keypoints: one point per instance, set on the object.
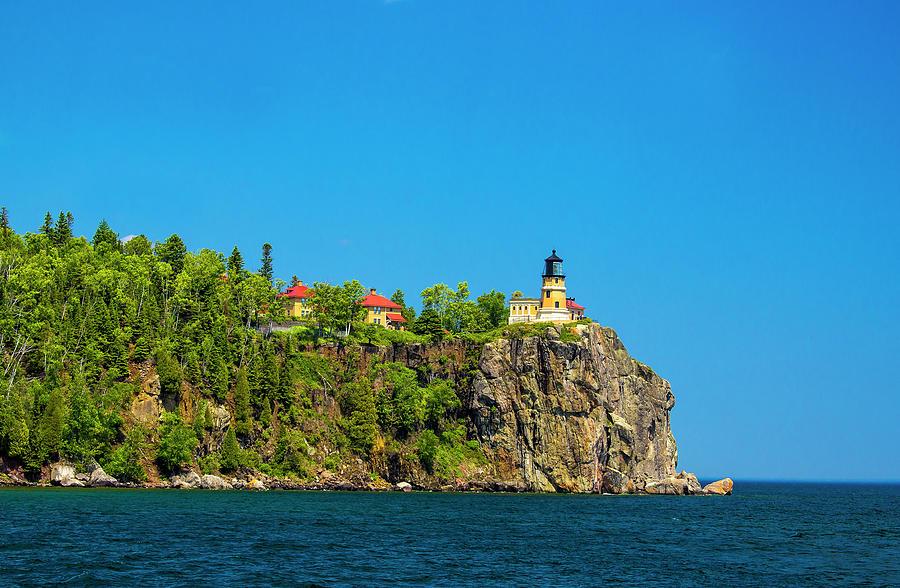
(87, 325)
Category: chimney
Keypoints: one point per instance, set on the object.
(371, 290)
(300, 283)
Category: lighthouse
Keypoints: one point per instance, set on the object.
(553, 291)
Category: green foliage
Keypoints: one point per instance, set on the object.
(90, 428)
(172, 251)
(335, 308)
(403, 406)
(370, 334)
(169, 372)
(192, 367)
(357, 402)
(106, 235)
(442, 455)
(125, 463)
(141, 349)
(236, 266)
(427, 448)
(231, 457)
(242, 421)
(265, 414)
(177, 441)
(265, 268)
(291, 455)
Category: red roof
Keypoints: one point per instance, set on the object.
(376, 300)
(571, 304)
(397, 318)
(297, 292)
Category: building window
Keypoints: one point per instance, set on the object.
(556, 280)
(548, 293)
(557, 304)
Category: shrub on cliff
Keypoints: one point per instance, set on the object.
(357, 402)
(231, 457)
(177, 441)
(125, 462)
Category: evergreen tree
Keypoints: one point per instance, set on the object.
(47, 227)
(172, 251)
(16, 427)
(125, 462)
(207, 418)
(141, 349)
(265, 415)
(176, 441)
(269, 376)
(230, 459)
(52, 422)
(235, 266)
(199, 422)
(104, 234)
(4, 223)
(192, 367)
(139, 245)
(62, 233)
(358, 407)
(242, 403)
(265, 269)
(285, 393)
(169, 372)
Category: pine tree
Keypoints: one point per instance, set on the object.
(285, 393)
(236, 266)
(104, 234)
(265, 269)
(242, 403)
(172, 251)
(141, 349)
(230, 459)
(269, 377)
(170, 375)
(192, 367)
(4, 222)
(16, 425)
(265, 415)
(52, 422)
(62, 233)
(47, 227)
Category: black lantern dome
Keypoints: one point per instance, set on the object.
(553, 266)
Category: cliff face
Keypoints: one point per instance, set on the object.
(566, 411)
(563, 415)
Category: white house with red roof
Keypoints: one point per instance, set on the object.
(383, 311)
(576, 311)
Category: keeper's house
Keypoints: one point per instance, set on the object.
(383, 311)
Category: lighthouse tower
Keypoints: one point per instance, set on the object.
(552, 306)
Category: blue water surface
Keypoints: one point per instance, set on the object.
(771, 534)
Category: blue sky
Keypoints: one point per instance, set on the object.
(722, 181)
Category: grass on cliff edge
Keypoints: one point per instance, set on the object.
(523, 330)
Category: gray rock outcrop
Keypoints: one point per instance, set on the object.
(100, 479)
(60, 473)
(186, 480)
(210, 482)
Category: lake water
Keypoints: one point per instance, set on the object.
(766, 534)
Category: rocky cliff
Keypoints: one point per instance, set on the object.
(549, 408)
(565, 409)
(568, 410)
